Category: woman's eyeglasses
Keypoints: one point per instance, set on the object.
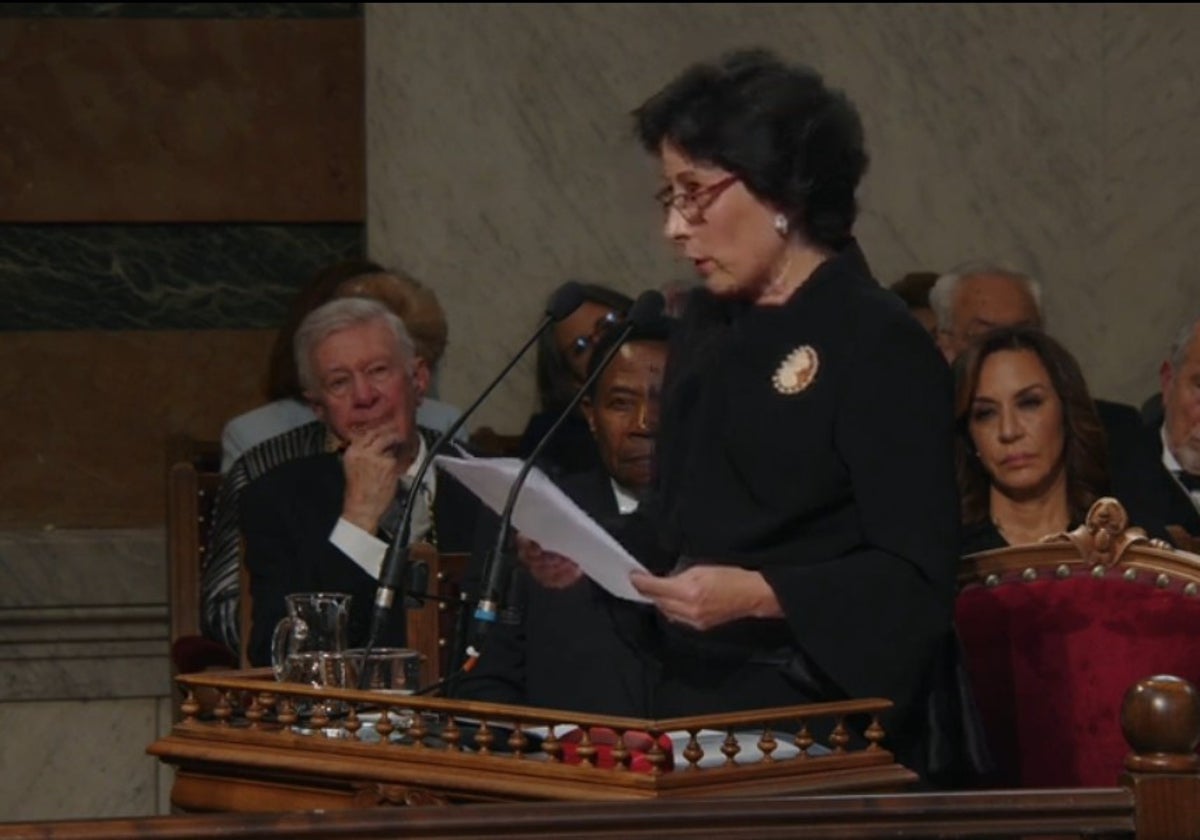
(585, 342)
(692, 204)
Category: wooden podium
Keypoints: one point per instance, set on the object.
(249, 743)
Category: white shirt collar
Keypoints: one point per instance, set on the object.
(1168, 458)
(411, 473)
(1173, 466)
(626, 502)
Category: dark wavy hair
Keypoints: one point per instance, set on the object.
(1086, 446)
(793, 142)
(554, 382)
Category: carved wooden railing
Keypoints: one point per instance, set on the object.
(247, 742)
(1159, 800)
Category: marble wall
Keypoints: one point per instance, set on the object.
(84, 673)
(170, 174)
(1055, 137)
(177, 173)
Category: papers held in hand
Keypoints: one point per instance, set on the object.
(545, 514)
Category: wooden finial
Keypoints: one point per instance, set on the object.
(1160, 717)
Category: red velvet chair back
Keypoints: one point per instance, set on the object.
(1054, 634)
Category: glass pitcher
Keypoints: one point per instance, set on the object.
(316, 622)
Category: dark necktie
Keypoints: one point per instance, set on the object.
(1189, 481)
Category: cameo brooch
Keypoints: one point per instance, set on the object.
(797, 371)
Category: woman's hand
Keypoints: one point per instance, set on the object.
(704, 597)
(551, 570)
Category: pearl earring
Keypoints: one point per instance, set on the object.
(781, 224)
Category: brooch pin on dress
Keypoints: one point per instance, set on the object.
(797, 371)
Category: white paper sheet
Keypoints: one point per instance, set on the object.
(547, 515)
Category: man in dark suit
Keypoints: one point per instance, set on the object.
(577, 647)
(324, 522)
(1178, 437)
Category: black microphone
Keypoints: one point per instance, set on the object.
(647, 308)
(394, 573)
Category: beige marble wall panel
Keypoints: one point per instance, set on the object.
(87, 416)
(181, 120)
(83, 614)
(500, 161)
(1149, 217)
(84, 676)
(78, 759)
(46, 569)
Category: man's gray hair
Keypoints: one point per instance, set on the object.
(337, 315)
(941, 296)
(1183, 343)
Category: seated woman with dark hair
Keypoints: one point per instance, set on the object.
(1031, 451)
(562, 362)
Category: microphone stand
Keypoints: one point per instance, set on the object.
(393, 575)
(648, 306)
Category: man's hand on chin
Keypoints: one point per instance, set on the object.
(372, 472)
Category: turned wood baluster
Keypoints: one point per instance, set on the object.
(730, 748)
(803, 740)
(384, 725)
(839, 738)
(452, 735)
(656, 756)
(586, 749)
(352, 724)
(320, 715)
(767, 745)
(551, 746)
(518, 741)
(417, 728)
(224, 709)
(266, 701)
(620, 752)
(287, 712)
(874, 734)
(190, 706)
(484, 738)
(254, 714)
(693, 752)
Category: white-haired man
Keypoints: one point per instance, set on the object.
(976, 297)
(323, 523)
(1179, 435)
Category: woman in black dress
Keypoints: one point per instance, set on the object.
(806, 500)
